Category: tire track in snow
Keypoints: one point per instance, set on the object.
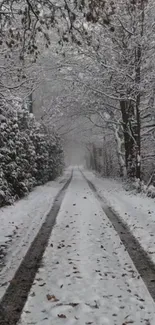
(140, 258)
(16, 294)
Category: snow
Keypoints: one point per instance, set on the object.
(137, 210)
(30, 154)
(86, 277)
(20, 224)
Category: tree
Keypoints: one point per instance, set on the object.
(115, 40)
(116, 36)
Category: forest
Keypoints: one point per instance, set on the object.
(76, 73)
(77, 162)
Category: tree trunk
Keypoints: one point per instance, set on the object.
(127, 111)
(120, 150)
(132, 138)
(29, 103)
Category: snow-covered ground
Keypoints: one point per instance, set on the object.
(86, 277)
(20, 223)
(137, 210)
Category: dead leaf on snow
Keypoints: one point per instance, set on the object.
(62, 316)
(73, 304)
(42, 285)
(3, 284)
(79, 277)
(51, 298)
(147, 322)
(60, 246)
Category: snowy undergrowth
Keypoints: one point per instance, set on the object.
(137, 210)
(20, 223)
(140, 186)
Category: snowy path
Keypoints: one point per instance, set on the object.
(136, 210)
(86, 277)
(19, 225)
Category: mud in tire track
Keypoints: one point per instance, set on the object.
(14, 299)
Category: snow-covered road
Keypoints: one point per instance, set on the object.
(86, 277)
(136, 210)
(20, 223)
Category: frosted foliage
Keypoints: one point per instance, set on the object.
(30, 155)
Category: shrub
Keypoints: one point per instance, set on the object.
(30, 154)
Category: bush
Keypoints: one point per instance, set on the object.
(30, 154)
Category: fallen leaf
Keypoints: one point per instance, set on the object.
(73, 304)
(42, 285)
(79, 277)
(51, 298)
(3, 284)
(62, 316)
